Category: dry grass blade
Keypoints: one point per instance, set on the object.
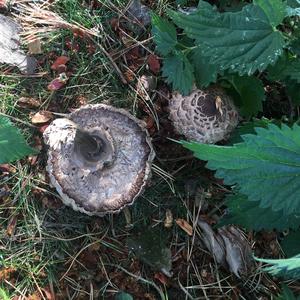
(39, 21)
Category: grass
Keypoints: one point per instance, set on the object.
(46, 247)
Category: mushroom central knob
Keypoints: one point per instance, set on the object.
(99, 158)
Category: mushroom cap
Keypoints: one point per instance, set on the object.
(120, 175)
(205, 116)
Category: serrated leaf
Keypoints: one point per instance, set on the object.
(12, 143)
(293, 8)
(249, 215)
(291, 243)
(248, 127)
(286, 294)
(292, 89)
(288, 268)
(164, 34)
(275, 10)
(178, 72)
(251, 94)
(294, 46)
(265, 166)
(205, 73)
(285, 67)
(243, 41)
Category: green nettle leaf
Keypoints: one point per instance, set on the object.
(251, 94)
(291, 244)
(205, 73)
(164, 34)
(286, 67)
(12, 143)
(292, 89)
(275, 10)
(249, 215)
(288, 268)
(286, 294)
(243, 41)
(179, 72)
(265, 167)
(294, 46)
(123, 296)
(293, 8)
(249, 127)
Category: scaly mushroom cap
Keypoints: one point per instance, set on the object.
(205, 116)
(115, 176)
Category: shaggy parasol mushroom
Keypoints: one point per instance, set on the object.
(99, 158)
(205, 116)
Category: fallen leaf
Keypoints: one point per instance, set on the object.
(48, 294)
(161, 278)
(28, 102)
(35, 46)
(58, 83)
(229, 248)
(185, 226)
(114, 23)
(129, 75)
(43, 128)
(61, 69)
(6, 273)
(61, 60)
(153, 63)
(168, 223)
(41, 117)
(10, 230)
(149, 121)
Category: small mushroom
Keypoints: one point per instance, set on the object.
(205, 116)
(99, 158)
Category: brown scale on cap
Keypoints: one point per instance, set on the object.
(205, 116)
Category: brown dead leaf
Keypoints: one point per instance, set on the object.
(185, 226)
(153, 63)
(35, 46)
(41, 117)
(6, 273)
(10, 230)
(48, 294)
(61, 60)
(58, 83)
(228, 246)
(28, 102)
(114, 23)
(129, 75)
(7, 168)
(161, 278)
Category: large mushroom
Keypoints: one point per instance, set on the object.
(205, 116)
(99, 158)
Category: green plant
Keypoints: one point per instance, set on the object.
(232, 47)
(12, 143)
(265, 170)
(244, 49)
